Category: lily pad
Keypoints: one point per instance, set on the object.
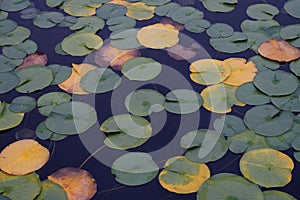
(267, 167)
(183, 101)
(119, 23)
(267, 120)
(197, 25)
(77, 118)
(141, 69)
(229, 187)
(108, 11)
(258, 25)
(21, 50)
(282, 142)
(60, 73)
(9, 119)
(34, 78)
(126, 131)
(67, 22)
(37, 58)
(219, 5)
(275, 83)
(262, 11)
(262, 63)
(81, 44)
(14, 5)
(289, 102)
(295, 67)
(291, 33)
(277, 195)
(134, 169)
(229, 125)
(100, 80)
(17, 36)
(296, 143)
(186, 13)
(90, 24)
(29, 13)
(182, 176)
(51, 191)
(48, 101)
(204, 146)
(79, 8)
(7, 25)
(143, 102)
(292, 8)
(167, 9)
(156, 2)
(220, 30)
(8, 81)
(42, 132)
(249, 94)
(22, 104)
(8, 64)
(125, 39)
(48, 19)
(140, 11)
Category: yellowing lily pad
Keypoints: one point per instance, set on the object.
(267, 167)
(23, 157)
(9, 119)
(158, 36)
(80, 8)
(140, 11)
(182, 176)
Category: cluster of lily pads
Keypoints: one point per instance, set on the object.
(269, 127)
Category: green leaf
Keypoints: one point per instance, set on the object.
(14, 37)
(292, 7)
(289, 102)
(22, 104)
(108, 11)
(229, 125)
(21, 50)
(219, 5)
(156, 2)
(68, 21)
(249, 94)
(29, 13)
(258, 25)
(167, 9)
(7, 26)
(291, 33)
(42, 132)
(48, 101)
(295, 67)
(60, 73)
(54, 3)
(197, 25)
(14, 5)
(120, 22)
(277, 195)
(262, 11)
(296, 143)
(46, 19)
(7, 64)
(9, 119)
(134, 169)
(186, 13)
(8, 81)
(51, 191)
(125, 39)
(263, 63)
(220, 30)
(90, 24)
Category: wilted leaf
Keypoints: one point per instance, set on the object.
(37, 58)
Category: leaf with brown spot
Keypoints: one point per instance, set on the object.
(38, 58)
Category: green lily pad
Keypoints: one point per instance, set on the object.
(14, 5)
(186, 13)
(29, 13)
(90, 24)
(9, 119)
(3, 15)
(25, 187)
(219, 5)
(235, 43)
(220, 30)
(183, 101)
(229, 187)
(289, 102)
(60, 73)
(120, 22)
(262, 63)
(141, 69)
(267, 120)
(100, 80)
(156, 2)
(297, 156)
(21, 50)
(22, 104)
(17, 36)
(58, 49)
(54, 3)
(262, 11)
(34, 78)
(277, 195)
(50, 191)
(108, 11)
(126, 131)
(143, 102)
(42, 132)
(8, 81)
(57, 137)
(249, 94)
(48, 19)
(167, 9)
(7, 26)
(256, 38)
(292, 7)
(48, 101)
(204, 146)
(7, 64)
(125, 39)
(258, 25)
(67, 22)
(275, 83)
(197, 25)
(282, 142)
(267, 167)
(296, 143)
(81, 44)
(295, 67)
(291, 34)
(229, 125)
(76, 117)
(246, 141)
(134, 169)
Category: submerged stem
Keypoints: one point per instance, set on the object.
(90, 156)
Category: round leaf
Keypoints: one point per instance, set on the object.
(262, 11)
(229, 125)
(14, 37)
(48, 19)
(292, 7)
(249, 94)
(51, 191)
(9, 119)
(8, 81)
(126, 39)
(220, 30)
(60, 73)
(22, 104)
(277, 195)
(48, 101)
(14, 5)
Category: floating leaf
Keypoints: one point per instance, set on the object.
(3, 15)
(19, 51)
(182, 176)
(186, 13)
(296, 143)
(81, 44)
(262, 11)
(88, 24)
(80, 8)
(50, 191)
(48, 101)
(100, 80)
(23, 157)
(67, 22)
(8, 64)
(278, 50)
(17, 36)
(76, 117)
(140, 11)
(267, 167)
(256, 38)
(38, 58)
(292, 8)
(108, 11)
(229, 125)
(229, 186)
(178, 26)
(119, 23)
(29, 13)
(25, 134)
(275, 83)
(126, 39)
(219, 5)
(8, 82)
(9, 119)
(167, 9)
(291, 34)
(72, 84)
(156, 2)
(289, 103)
(75, 181)
(277, 195)
(197, 25)
(48, 19)
(158, 36)
(141, 69)
(54, 3)
(204, 146)
(209, 71)
(241, 72)
(42, 132)
(126, 131)
(60, 73)
(183, 101)
(20, 187)
(282, 142)
(258, 25)
(246, 141)
(7, 25)
(134, 169)
(262, 63)
(220, 30)
(249, 94)
(33, 78)
(22, 104)
(267, 120)
(143, 102)
(295, 67)
(14, 5)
